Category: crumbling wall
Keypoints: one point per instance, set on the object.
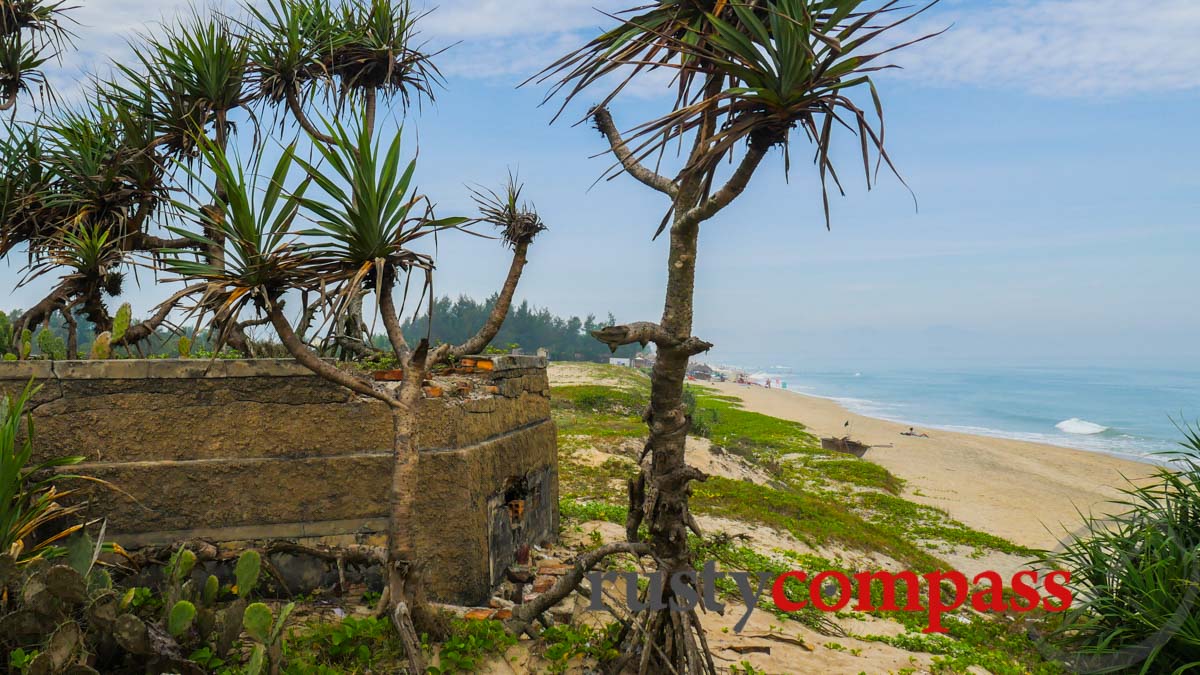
(262, 449)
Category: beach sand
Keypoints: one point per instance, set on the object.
(1028, 493)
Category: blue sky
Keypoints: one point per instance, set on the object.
(1051, 145)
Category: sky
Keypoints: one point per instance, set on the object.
(1050, 145)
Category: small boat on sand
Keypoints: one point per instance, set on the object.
(844, 444)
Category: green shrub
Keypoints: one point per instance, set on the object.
(584, 511)
(1136, 576)
(598, 398)
(469, 643)
(564, 643)
(6, 334)
(705, 420)
(353, 643)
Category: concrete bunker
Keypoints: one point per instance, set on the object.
(261, 449)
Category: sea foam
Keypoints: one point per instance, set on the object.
(1078, 426)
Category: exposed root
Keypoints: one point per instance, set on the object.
(666, 641)
(402, 620)
(524, 615)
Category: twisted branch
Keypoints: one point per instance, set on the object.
(733, 188)
(137, 333)
(524, 615)
(645, 332)
(604, 122)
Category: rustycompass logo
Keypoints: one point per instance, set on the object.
(933, 594)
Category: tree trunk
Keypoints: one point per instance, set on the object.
(668, 420)
(405, 588)
(671, 641)
(72, 334)
(402, 596)
(226, 327)
(403, 491)
(54, 302)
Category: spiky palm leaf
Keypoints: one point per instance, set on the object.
(36, 16)
(31, 33)
(89, 254)
(1135, 576)
(83, 154)
(748, 70)
(20, 60)
(192, 75)
(378, 52)
(289, 45)
(517, 220)
(29, 501)
(24, 185)
(32, 507)
(142, 166)
(261, 256)
(370, 214)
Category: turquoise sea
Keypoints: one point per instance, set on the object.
(1126, 412)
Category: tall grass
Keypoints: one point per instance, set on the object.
(1136, 577)
(30, 504)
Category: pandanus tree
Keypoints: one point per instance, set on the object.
(155, 146)
(746, 74)
(113, 160)
(31, 33)
(359, 240)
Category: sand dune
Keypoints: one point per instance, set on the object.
(1028, 493)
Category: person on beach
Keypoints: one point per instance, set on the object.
(913, 432)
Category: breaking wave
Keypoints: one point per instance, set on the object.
(1078, 426)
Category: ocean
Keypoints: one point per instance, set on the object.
(1126, 412)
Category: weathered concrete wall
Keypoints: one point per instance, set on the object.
(262, 449)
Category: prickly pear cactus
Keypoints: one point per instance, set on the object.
(69, 619)
(102, 347)
(267, 632)
(63, 616)
(246, 572)
(212, 588)
(181, 564)
(121, 321)
(180, 618)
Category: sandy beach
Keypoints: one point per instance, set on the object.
(1028, 493)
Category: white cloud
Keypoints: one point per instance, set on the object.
(1071, 48)
(1057, 48)
(1063, 48)
(101, 32)
(510, 39)
(513, 18)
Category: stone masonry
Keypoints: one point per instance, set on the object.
(248, 450)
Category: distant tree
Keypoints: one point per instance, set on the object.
(526, 326)
(745, 73)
